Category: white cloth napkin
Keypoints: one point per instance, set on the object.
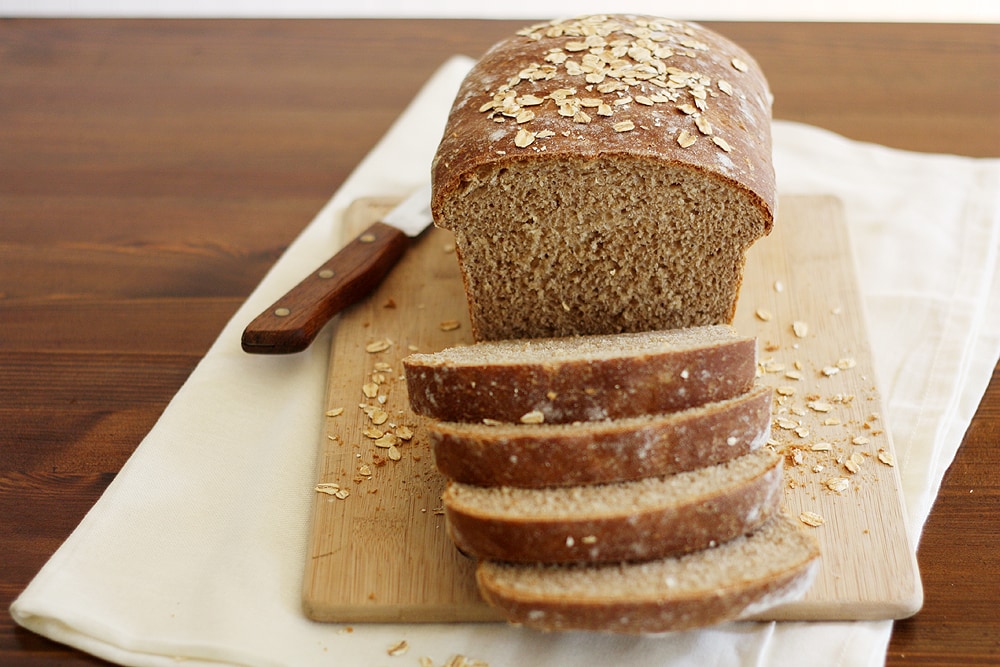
(195, 552)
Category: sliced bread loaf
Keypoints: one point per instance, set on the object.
(582, 378)
(737, 579)
(538, 455)
(626, 521)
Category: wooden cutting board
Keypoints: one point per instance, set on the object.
(378, 549)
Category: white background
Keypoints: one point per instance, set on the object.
(947, 11)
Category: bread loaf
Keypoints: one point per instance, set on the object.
(605, 174)
(737, 579)
(581, 378)
(627, 521)
(538, 455)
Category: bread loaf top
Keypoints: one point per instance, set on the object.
(594, 86)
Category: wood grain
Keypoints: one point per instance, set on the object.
(382, 553)
(152, 171)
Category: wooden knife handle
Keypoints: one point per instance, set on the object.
(292, 323)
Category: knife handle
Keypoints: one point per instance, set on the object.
(295, 319)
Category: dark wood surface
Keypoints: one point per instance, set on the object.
(152, 171)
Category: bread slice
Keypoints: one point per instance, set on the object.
(627, 521)
(539, 455)
(606, 174)
(738, 579)
(582, 378)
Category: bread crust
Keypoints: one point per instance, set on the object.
(532, 456)
(582, 389)
(626, 533)
(473, 139)
(657, 610)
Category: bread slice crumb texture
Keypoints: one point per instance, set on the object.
(604, 500)
(573, 348)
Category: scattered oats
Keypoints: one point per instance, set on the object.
(492, 422)
(793, 375)
(382, 399)
(772, 366)
(387, 440)
(645, 101)
(450, 325)
(379, 416)
(533, 417)
(394, 453)
(398, 649)
(524, 116)
(819, 406)
(370, 389)
(817, 468)
(802, 432)
(838, 484)
(847, 363)
(800, 329)
(688, 109)
(341, 494)
(786, 424)
(830, 371)
(329, 488)
(703, 125)
(372, 433)
(524, 138)
(821, 447)
(722, 143)
(798, 457)
(853, 462)
(886, 458)
(335, 412)
(811, 519)
(366, 470)
(725, 87)
(686, 139)
(779, 286)
(830, 421)
(623, 126)
(763, 315)
(529, 100)
(739, 65)
(404, 433)
(860, 440)
(426, 661)
(785, 391)
(378, 346)
(382, 366)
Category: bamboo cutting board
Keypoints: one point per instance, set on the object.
(378, 547)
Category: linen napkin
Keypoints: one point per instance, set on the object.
(196, 550)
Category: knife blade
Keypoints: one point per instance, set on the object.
(293, 321)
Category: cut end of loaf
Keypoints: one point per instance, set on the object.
(607, 245)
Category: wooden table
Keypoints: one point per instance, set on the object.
(152, 171)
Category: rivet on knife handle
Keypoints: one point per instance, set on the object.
(295, 319)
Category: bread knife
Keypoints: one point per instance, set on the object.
(294, 320)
